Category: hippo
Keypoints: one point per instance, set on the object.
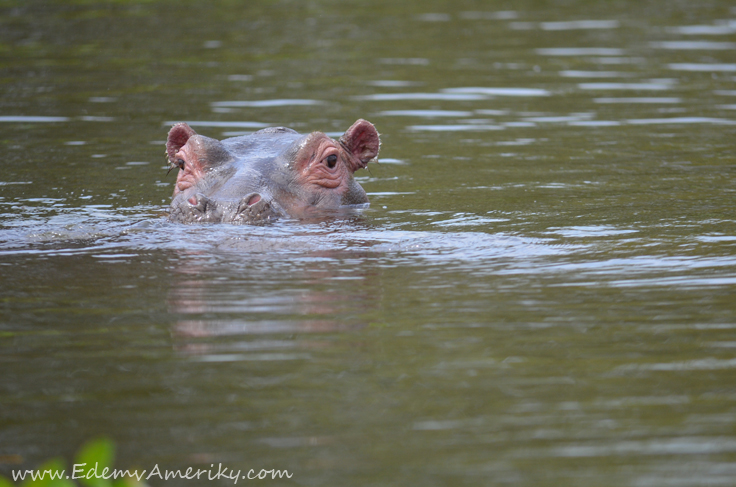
(273, 173)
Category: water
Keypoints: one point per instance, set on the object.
(541, 293)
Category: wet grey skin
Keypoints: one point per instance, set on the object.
(273, 173)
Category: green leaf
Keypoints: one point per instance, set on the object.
(128, 482)
(97, 455)
(62, 483)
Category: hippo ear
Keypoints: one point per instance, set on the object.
(178, 136)
(196, 149)
(362, 141)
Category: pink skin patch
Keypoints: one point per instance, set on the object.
(362, 143)
(178, 136)
(192, 171)
(313, 164)
(254, 199)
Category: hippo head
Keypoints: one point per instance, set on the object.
(272, 173)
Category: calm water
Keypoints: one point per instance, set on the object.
(543, 291)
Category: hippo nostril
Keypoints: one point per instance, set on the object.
(202, 202)
(250, 203)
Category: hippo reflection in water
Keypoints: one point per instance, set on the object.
(272, 173)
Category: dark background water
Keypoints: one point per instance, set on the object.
(541, 293)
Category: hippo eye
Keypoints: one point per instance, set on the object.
(331, 161)
(180, 163)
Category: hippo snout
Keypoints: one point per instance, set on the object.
(255, 208)
(252, 208)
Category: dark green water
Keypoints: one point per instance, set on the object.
(543, 291)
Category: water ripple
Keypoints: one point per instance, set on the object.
(645, 99)
(694, 45)
(206, 123)
(681, 120)
(454, 128)
(580, 25)
(500, 91)
(671, 446)
(717, 29)
(703, 67)
(31, 119)
(580, 51)
(594, 74)
(266, 103)
(421, 96)
(653, 86)
(425, 113)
